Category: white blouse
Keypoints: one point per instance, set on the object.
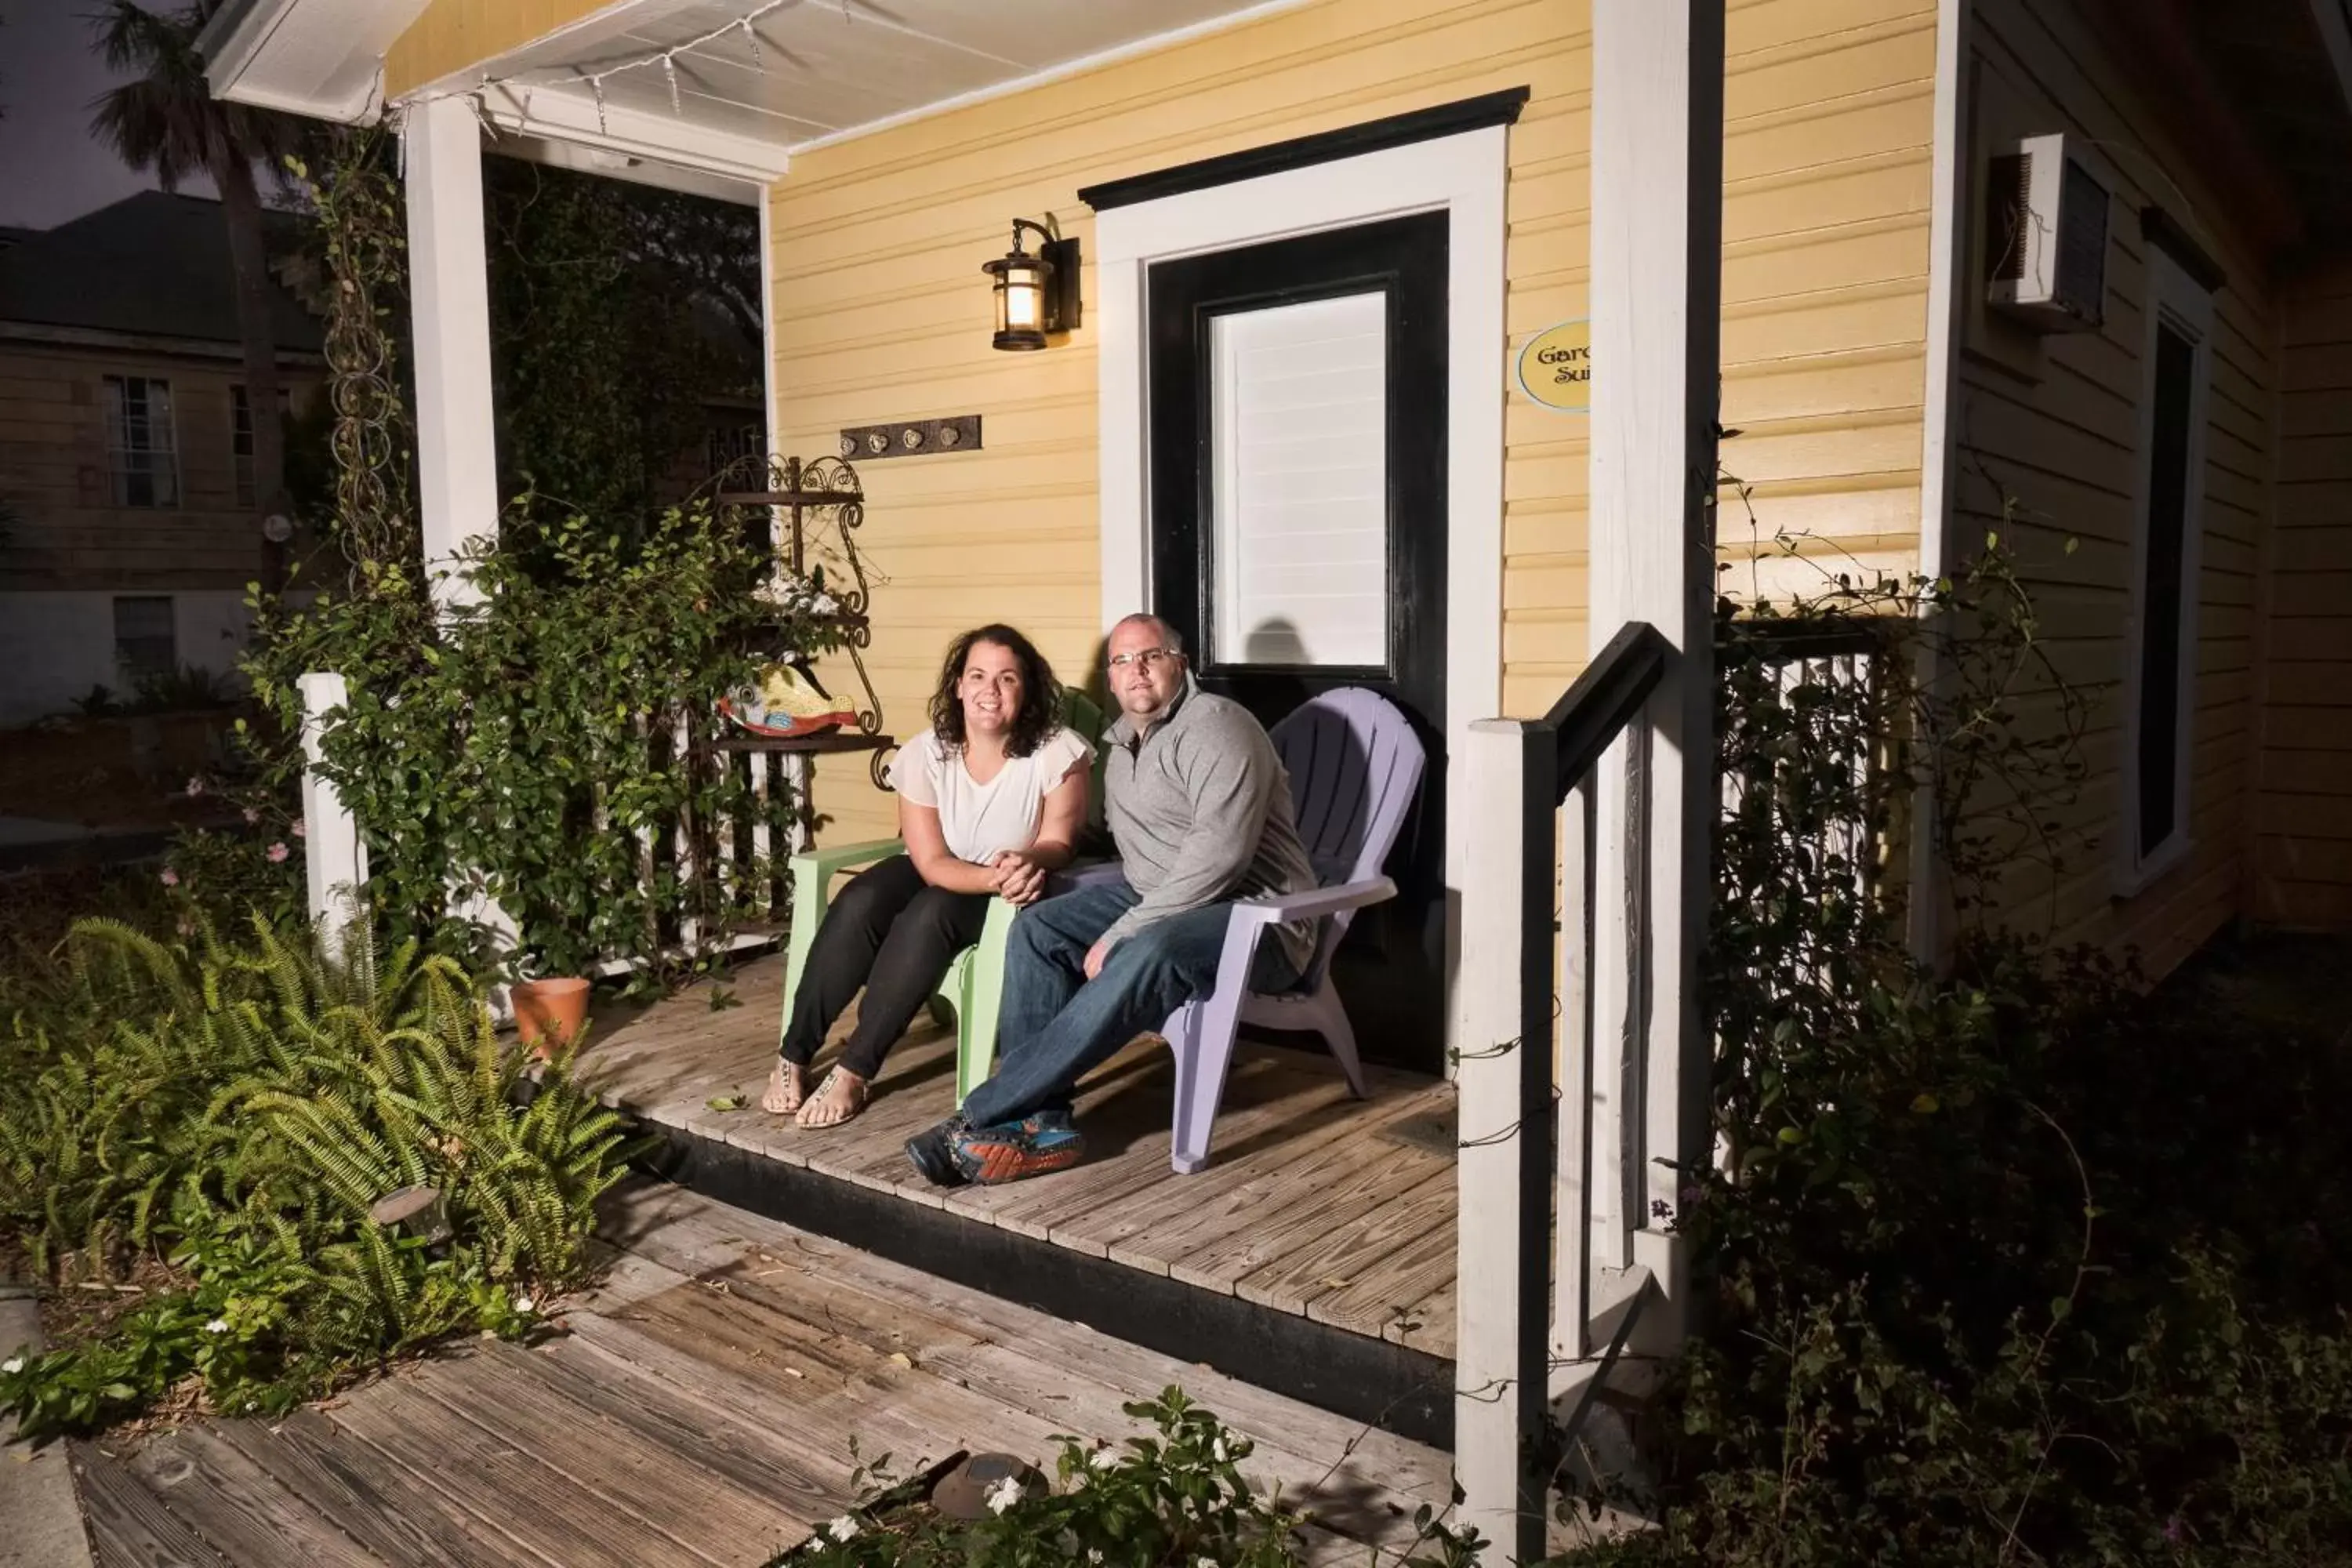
(979, 820)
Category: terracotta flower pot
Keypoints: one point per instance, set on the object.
(548, 1013)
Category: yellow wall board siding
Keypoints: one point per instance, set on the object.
(2303, 870)
(2050, 449)
(452, 35)
(881, 313)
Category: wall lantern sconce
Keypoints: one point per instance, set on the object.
(1035, 294)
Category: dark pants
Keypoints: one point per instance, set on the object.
(893, 933)
(1054, 1026)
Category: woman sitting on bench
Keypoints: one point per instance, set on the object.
(990, 798)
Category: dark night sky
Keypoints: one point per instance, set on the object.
(50, 169)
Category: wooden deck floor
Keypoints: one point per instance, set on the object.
(700, 1410)
(1315, 1204)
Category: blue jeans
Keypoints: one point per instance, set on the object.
(1054, 1026)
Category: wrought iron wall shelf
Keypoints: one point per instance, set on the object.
(799, 498)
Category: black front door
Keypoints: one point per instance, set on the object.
(1297, 533)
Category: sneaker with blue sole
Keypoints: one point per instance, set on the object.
(932, 1152)
(1035, 1145)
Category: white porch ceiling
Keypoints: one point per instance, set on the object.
(828, 69)
(823, 71)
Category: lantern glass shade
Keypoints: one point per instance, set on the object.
(1022, 282)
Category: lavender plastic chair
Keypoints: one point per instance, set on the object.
(1354, 765)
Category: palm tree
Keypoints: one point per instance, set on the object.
(167, 122)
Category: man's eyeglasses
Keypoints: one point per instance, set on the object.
(1143, 657)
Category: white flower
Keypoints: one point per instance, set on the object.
(842, 1529)
(1094, 1553)
(13, 1365)
(1004, 1494)
(1218, 1449)
(1205, 1562)
(217, 1326)
(522, 1303)
(1102, 1458)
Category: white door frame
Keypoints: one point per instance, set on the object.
(1463, 175)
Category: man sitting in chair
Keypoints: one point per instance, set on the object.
(1200, 805)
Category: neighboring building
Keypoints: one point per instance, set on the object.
(126, 450)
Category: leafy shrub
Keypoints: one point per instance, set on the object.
(98, 702)
(2000, 1267)
(238, 1112)
(1178, 1499)
(526, 747)
(185, 689)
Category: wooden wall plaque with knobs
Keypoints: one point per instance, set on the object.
(911, 438)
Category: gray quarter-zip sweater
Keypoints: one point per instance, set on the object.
(1200, 809)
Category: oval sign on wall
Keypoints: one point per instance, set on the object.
(1555, 367)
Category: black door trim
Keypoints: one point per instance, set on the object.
(1405, 259)
(1304, 151)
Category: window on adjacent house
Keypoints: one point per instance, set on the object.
(142, 456)
(2160, 678)
(145, 640)
(241, 438)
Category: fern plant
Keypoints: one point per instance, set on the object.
(242, 1109)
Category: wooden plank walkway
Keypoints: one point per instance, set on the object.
(1313, 1204)
(700, 1410)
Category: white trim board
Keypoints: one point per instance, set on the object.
(1947, 275)
(1463, 175)
(2172, 300)
(561, 114)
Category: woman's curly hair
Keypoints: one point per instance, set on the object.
(1041, 694)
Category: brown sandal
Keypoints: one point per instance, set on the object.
(851, 1089)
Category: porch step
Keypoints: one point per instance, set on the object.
(1402, 1391)
(1315, 1256)
(709, 1401)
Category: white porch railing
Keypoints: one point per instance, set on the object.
(737, 862)
(334, 859)
(1560, 1254)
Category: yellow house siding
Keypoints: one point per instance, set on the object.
(880, 311)
(2304, 853)
(2051, 429)
(1828, 148)
(450, 35)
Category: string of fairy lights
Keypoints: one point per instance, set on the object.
(518, 86)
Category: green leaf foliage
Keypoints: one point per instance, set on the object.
(237, 1110)
(1178, 1498)
(2006, 1260)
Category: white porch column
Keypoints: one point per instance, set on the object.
(449, 313)
(449, 286)
(1656, 306)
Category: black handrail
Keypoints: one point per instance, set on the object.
(1602, 700)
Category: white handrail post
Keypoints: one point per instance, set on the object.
(1505, 1172)
(334, 859)
(1657, 288)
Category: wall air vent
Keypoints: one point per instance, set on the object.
(2046, 236)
